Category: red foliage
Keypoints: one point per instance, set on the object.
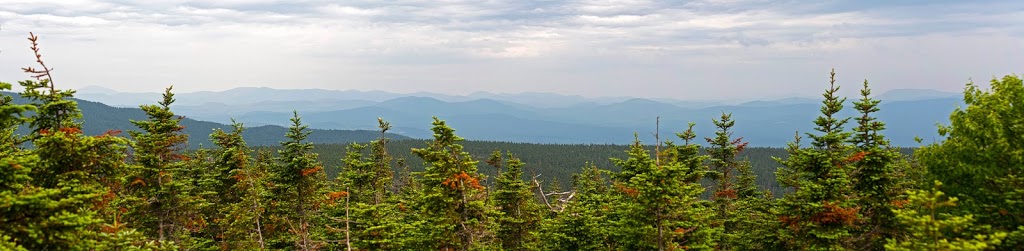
(632, 192)
(740, 145)
(857, 157)
(462, 180)
(791, 222)
(308, 171)
(334, 196)
(836, 214)
(71, 130)
(899, 203)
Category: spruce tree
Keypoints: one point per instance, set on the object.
(163, 206)
(875, 183)
(452, 201)
(242, 219)
(660, 202)
(298, 191)
(520, 214)
(583, 222)
(63, 191)
(724, 167)
(820, 213)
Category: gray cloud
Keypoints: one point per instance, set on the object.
(707, 49)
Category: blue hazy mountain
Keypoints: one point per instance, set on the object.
(99, 118)
(555, 118)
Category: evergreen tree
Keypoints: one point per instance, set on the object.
(520, 215)
(56, 195)
(298, 190)
(163, 205)
(243, 220)
(874, 175)
(452, 201)
(821, 211)
(660, 203)
(724, 166)
(582, 223)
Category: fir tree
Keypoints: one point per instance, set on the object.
(520, 214)
(874, 181)
(242, 220)
(724, 167)
(660, 203)
(298, 191)
(67, 184)
(452, 201)
(582, 222)
(821, 212)
(164, 206)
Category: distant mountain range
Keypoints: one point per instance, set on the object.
(542, 117)
(99, 118)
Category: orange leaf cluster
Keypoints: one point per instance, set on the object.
(857, 157)
(740, 145)
(836, 214)
(308, 171)
(684, 230)
(727, 193)
(71, 130)
(334, 196)
(791, 222)
(899, 203)
(461, 180)
(632, 192)
(15, 166)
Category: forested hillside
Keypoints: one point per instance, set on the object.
(843, 185)
(99, 118)
(768, 123)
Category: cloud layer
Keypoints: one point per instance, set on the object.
(709, 49)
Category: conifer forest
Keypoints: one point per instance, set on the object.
(842, 186)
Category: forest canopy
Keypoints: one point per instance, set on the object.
(839, 187)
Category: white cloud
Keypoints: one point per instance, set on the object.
(464, 46)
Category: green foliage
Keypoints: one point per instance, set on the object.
(241, 216)
(659, 202)
(297, 193)
(982, 158)
(582, 223)
(520, 214)
(821, 211)
(452, 201)
(62, 189)
(927, 227)
(161, 204)
(876, 175)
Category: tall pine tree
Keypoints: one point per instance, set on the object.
(820, 213)
(452, 201)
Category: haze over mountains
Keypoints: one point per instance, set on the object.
(541, 117)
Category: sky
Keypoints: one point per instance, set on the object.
(697, 50)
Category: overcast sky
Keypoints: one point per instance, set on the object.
(712, 49)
